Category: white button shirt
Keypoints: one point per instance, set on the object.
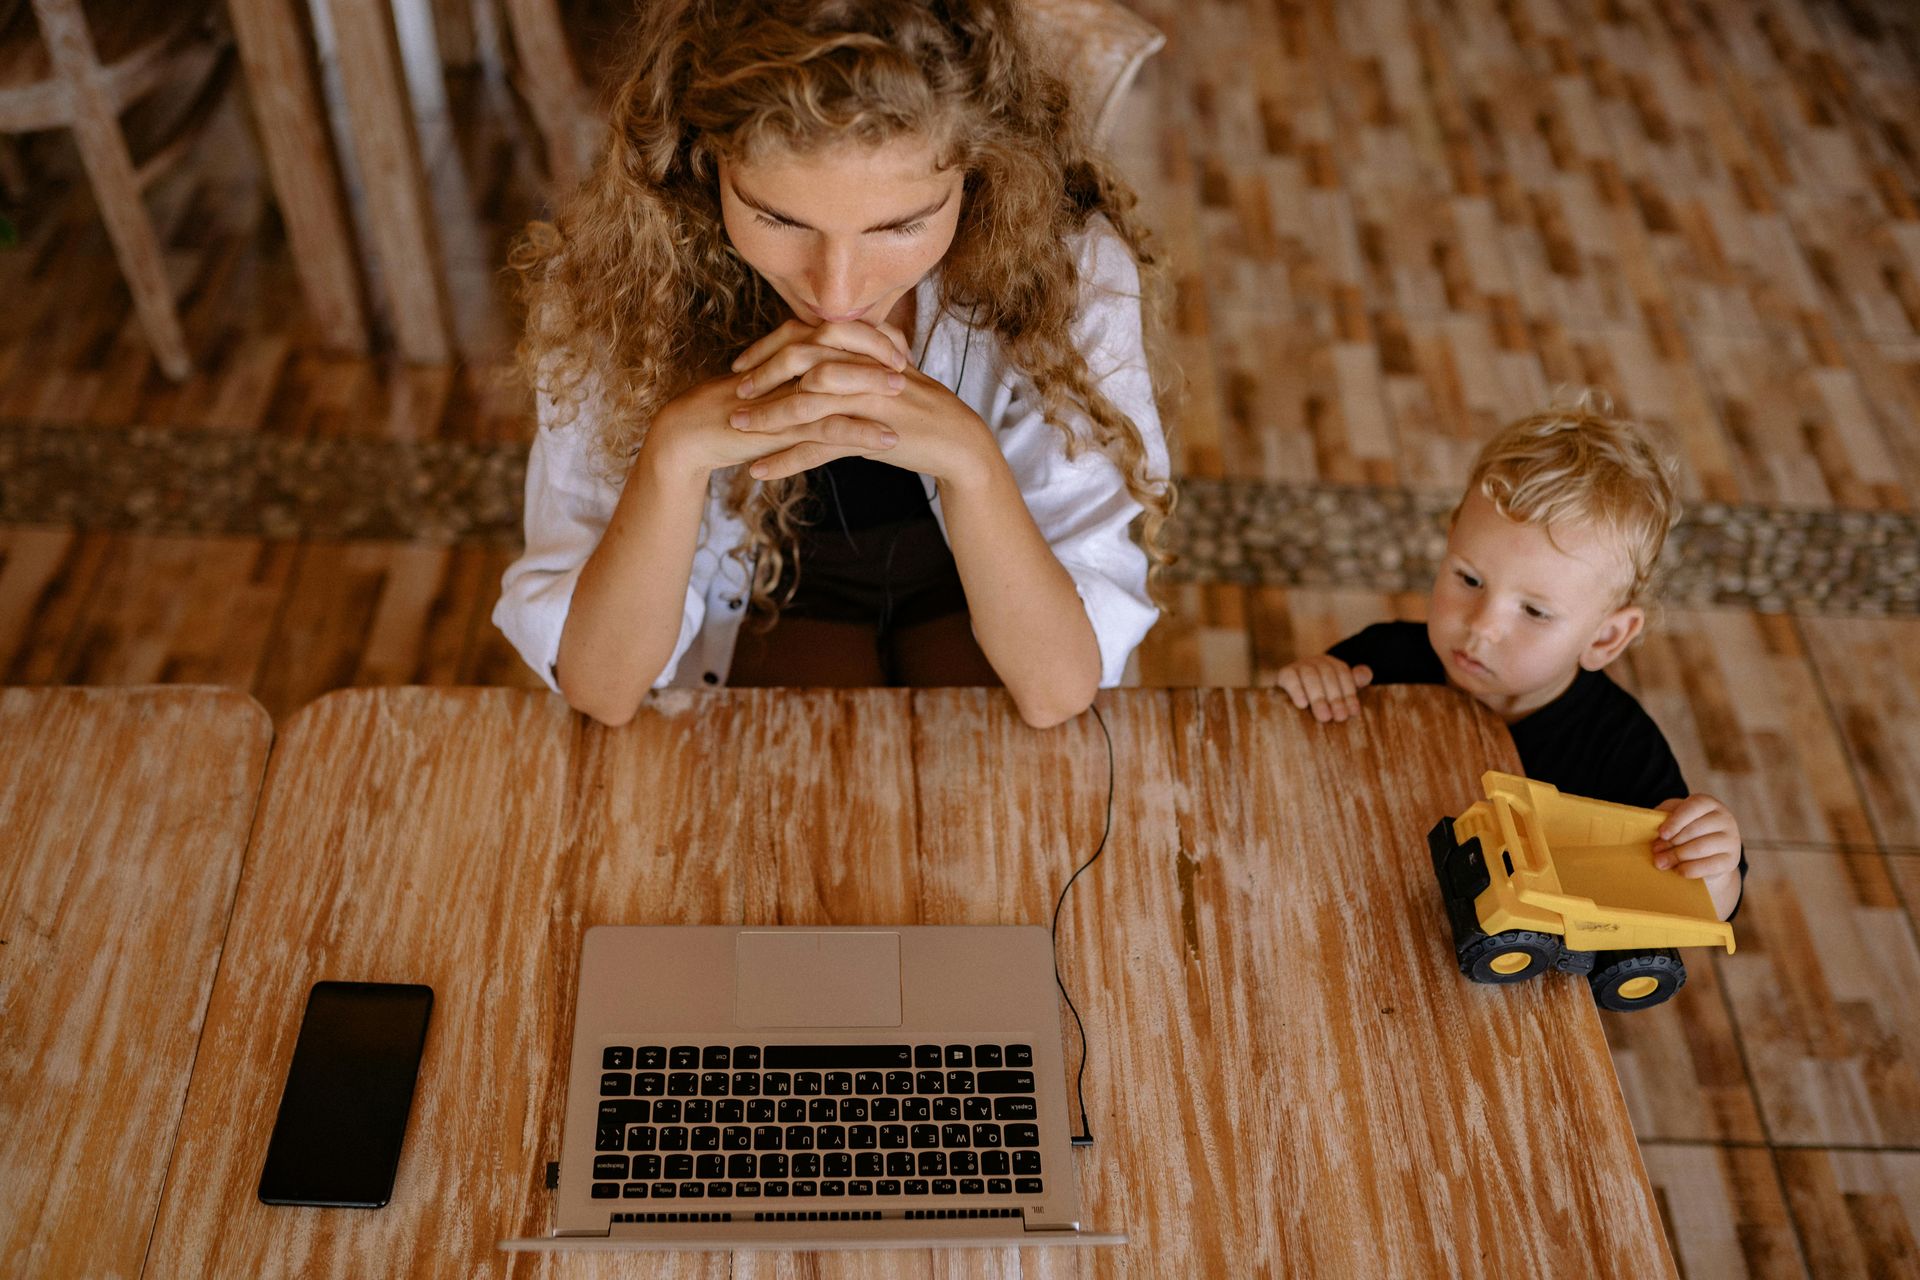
(1081, 505)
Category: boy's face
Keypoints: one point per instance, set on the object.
(1513, 616)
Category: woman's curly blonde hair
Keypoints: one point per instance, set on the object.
(635, 292)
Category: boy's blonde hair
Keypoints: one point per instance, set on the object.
(1582, 465)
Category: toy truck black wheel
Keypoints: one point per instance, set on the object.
(1513, 956)
(1627, 980)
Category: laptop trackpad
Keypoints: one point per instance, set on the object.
(795, 979)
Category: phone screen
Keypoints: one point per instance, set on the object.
(337, 1138)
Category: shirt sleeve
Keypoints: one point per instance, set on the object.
(568, 505)
(1082, 505)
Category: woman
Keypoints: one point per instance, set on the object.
(843, 339)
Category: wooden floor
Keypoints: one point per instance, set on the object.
(1394, 224)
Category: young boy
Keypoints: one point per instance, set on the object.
(1548, 558)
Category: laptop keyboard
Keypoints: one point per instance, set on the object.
(816, 1121)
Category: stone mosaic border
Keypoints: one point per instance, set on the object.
(196, 482)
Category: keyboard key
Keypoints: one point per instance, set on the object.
(1023, 1135)
(646, 1168)
(610, 1167)
(1028, 1186)
(830, 1137)
(693, 1191)
(893, 1136)
(853, 1109)
(963, 1163)
(684, 1057)
(823, 1111)
(792, 1110)
(773, 1166)
(1005, 1081)
(918, 1187)
(673, 1137)
(916, 1109)
(982, 1108)
(973, 1187)
(633, 1191)
(716, 1055)
(606, 1191)
(616, 1112)
(999, 1186)
(839, 1083)
(682, 1084)
(863, 1137)
(886, 1187)
(746, 1083)
(932, 1164)
(944, 1187)
(616, 1057)
(868, 1082)
(741, 1166)
(899, 1082)
(954, 1135)
(697, 1111)
(959, 1082)
(959, 1055)
(608, 1138)
(986, 1055)
(747, 1056)
(729, 1111)
(869, 1164)
(805, 1165)
(833, 1187)
(666, 1111)
(1015, 1109)
(805, 1188)
(706, 1138)
(649, 1084)
(761, 1111)
(799, 1138)
(945, 1109)
(774, 1190)
(930, 1082)
(713, 1084)
(776, 1084)
(709, 1167)
(926, 1055)
(616, 1084)
(1026, 1162)
(923, 1135)
(650, 1057)
(664, 1191)
(642, 1137)
(994, 1164)
(1019, 1055)
(899, 1164)
(719, 1191)
(885, 1110)
(736, 1137)
(678, 1166)
(845, 1057)
(767, 1138)
(806, 1084)
(837, 1165)
(860, 1187)
(986, 1135)
(746, 1190)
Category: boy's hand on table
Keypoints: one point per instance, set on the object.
(1326, 685)
(1701, 840)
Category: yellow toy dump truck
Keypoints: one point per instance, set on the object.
(1535, 880)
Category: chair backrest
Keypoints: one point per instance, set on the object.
(1097, 46)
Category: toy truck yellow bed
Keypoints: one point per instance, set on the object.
(1534, 879)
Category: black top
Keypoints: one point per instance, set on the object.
(850, 494)
(1593, 740)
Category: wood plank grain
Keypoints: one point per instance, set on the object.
(1724, 1208)
(126, 815)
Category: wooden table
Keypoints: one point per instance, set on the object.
(123, 818)
(1288, 1075)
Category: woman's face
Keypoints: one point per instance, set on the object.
(844, 232)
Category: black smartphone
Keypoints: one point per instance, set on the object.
(343, 1113)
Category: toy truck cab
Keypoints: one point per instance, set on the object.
(1536, 880)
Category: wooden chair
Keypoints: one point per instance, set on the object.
(1096, 45)
(69, 64)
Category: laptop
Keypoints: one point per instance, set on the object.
(816, 1088)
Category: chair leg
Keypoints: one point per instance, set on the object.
(115, 182)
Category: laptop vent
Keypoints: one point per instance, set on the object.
(673, 1217)
(924, 1214)
(841, 1215)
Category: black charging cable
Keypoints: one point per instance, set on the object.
(1085, 1137)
